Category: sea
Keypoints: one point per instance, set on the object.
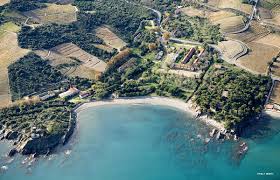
(147, 142)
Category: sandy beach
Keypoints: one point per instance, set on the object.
(161, 101)
(272, 113)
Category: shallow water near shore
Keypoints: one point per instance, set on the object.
(146, 142)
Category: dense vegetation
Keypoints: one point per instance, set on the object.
(195, 28)
(24, 116)
(26, 5)
(48, 36)
(32, 74)
(124, 17)
(232, 96)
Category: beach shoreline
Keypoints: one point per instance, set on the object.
(152, 100)
(274, 114)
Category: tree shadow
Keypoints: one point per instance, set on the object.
(262, 129)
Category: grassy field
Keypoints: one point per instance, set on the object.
(110, 38)
(233, 4)
(191, 11)
(53, 13)
(9, 53)
(8, 27)
(258, 57)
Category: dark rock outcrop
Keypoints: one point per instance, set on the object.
(12, 152)
(12, 135)
(40, 145)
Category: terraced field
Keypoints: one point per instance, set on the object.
(232, 49)
(61, 14)
(256, 31)
(70, 50)
(231, 4)
(272, 39)
(9, 53)
(110, 38)
(229, 22)
(258, 57)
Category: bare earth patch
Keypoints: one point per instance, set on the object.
(61, 14)
(9, 53)
(110, 38)
(258, 57)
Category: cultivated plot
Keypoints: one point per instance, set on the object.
(258, 58)
(9, 53)
(70, 50)
(53, 13)
(110, 38)
(231, 4)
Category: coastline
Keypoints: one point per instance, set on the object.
(274, 114)
(153, 100)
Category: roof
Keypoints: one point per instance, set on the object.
(72, 91)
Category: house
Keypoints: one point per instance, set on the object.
(128, 64)
(188, 56)
(70, 93)
(269, 107)
(225, 94)
(159, 55)
(47, 96)
(84, 94)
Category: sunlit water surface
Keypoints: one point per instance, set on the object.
(146, 142)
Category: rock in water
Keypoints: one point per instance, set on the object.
(12, 152)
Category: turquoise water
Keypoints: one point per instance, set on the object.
(150, 143)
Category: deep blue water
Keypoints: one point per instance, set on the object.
(137, 142)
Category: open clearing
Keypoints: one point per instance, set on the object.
(53, 13)
(275, 96)
(258, 57)
(3, 2)
(192, 12)
(72, 51)
(231, 4)
(110, 38)
(9, 53)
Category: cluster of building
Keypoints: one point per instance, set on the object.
(187, 64)
(64, 94)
